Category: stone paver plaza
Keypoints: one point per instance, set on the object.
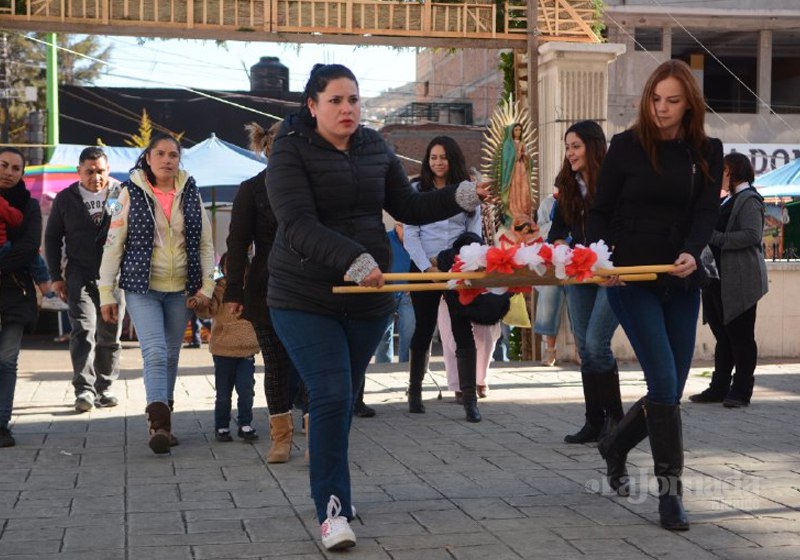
(86, 486)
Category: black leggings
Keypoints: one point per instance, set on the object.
(426, 309)
(736, 346)
(281, 381)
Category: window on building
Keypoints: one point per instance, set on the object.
(648, 39)
(786, 71)
(727, 76)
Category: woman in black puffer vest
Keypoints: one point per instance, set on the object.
(329, 179)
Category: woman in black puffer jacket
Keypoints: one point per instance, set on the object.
(329, 179)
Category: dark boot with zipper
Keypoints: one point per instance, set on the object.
(159, 426)
(615, 447)
(417, 367)
(593, 395)
(466, 359)
(666, 443)
(612, 401)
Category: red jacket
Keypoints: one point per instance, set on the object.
(10, 217)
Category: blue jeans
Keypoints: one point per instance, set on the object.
(331, 354)
(405, 328)
(160, 320)
(38, 269)
(10, 342)
(593, 324)
(500, 353)
(229, 373)
(661, 324)
(549, 303)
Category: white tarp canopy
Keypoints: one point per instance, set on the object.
(212, 162)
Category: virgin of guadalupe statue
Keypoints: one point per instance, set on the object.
(515, 179)
(510, 162)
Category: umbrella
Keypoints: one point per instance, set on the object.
(43, 179)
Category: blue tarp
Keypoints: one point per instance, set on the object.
(784, 181)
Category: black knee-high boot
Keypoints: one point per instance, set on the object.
(612, 401)
(466, 359)
(593, 396)
(666, 443)
(417, 367)
(614, 448)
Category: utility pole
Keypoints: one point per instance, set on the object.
(531, 346)
(5, 88)
(52, 94)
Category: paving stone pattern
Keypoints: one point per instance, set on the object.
(86, 486)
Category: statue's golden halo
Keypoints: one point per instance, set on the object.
(497, 216)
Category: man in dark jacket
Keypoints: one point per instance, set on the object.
(78, 222)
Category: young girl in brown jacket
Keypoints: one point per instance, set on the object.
(233, 345)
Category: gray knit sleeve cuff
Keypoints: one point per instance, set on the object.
(361, 267)
(467, 196)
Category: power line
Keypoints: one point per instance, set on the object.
(130, 116)
(712, 55)
(95, 125)
(197, 92)
(655, 59)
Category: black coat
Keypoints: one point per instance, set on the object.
(328, 203)
(70, 223)
(648, 217)
(252, 221)
(17, 293)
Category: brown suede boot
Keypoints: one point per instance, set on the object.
(281, 431)
(159, 423)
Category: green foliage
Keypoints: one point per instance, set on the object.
(142, 139)
(506, 66)
(515, 344)
(597, 17)
(28, 67)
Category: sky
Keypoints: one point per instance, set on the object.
(204, 64)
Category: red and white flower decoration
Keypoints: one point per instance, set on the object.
(579, 263)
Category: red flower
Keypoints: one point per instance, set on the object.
(457, 264)
(583, 259)
(546, 252)
(501, 260)
(468, 295)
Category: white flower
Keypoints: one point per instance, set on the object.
(562, 256)
(603, 255)
(473, 256)
(528, 255)
(498, 290)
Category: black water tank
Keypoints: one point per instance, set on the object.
(269, 76)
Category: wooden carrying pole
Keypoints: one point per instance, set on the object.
(487, 282)
(423, 276)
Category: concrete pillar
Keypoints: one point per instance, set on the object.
(573, 86)
(764, 64)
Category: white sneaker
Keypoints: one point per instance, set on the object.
(54, 303)
(336, 531)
